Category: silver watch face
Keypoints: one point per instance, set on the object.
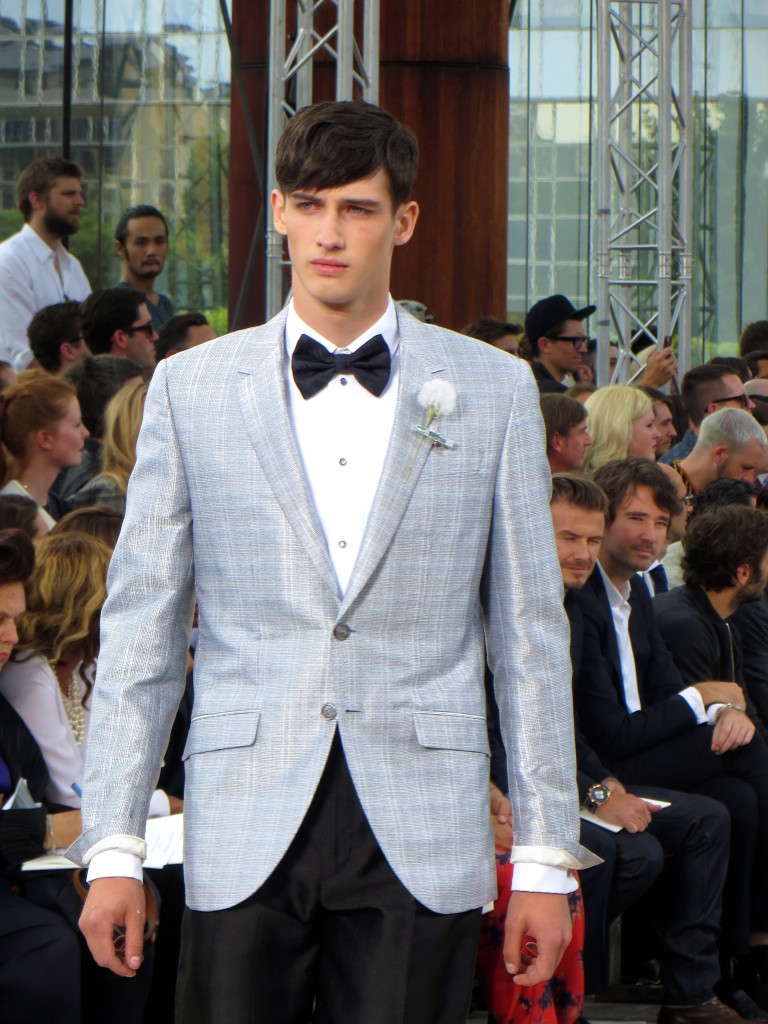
(599, 794)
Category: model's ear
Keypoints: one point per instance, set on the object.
(405, 221)
(278, 211)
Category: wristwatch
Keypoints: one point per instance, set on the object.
(596, 797)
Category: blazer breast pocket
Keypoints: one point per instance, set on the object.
(225, 731)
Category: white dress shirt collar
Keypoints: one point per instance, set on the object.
(621, 609)
(386, 326)
(40, 248)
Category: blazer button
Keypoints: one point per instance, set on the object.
(342, 631)
(328, 711)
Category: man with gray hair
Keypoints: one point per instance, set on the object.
(731, 445)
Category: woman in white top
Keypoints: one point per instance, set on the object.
(41, 433)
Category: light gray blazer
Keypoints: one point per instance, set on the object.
(456, 550)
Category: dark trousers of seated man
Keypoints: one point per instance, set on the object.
(688, 841)
(332, 936)
(739, 780)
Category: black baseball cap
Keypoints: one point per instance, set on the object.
(548, 313)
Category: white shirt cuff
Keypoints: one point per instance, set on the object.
(542, 878)
(159, 805)
(695, 702)
(115, 864)
(712, 713)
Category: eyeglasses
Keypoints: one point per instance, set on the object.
(743, 398)
(575, 339)
(148, 328)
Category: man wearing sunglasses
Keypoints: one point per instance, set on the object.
(558, 341)
(116, 322)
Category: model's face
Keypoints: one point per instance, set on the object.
(665, 426)
(340, 242)
(139, 339)
(67, 439)
(742, 463)
(146, 246)
(12, 605)
(62, 207)
(636, 537)
(578, 535)
(565, 355)
(571, 448)
(644, 437)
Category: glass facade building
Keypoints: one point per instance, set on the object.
(553, 154)
(145, 112)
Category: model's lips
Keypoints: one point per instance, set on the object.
(328, 267)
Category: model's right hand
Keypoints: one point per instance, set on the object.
(115, 903)
(626, 810)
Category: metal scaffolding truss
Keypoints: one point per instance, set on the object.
(291, 62)
(644, 204)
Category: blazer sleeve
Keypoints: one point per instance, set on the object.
(610, 729)
(145, 629)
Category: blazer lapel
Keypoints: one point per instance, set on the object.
(600, 595)
(403, 464)
(261, 392)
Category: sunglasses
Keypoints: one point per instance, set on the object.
(148, 328)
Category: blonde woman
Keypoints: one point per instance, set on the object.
(122, 422)
(42, 433)
(620, 422)
(50, 676)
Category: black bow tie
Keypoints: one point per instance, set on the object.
(314, 367)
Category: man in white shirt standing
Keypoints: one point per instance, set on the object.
(357, 501)
(36, 270)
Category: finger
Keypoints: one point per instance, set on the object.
(99, 929)
(513, 938)
(134, 939)
(543, 966)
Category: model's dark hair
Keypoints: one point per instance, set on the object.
(622, 477)
(577, 489)
(40, 177)
(121, 230)
(332, 144)
(96, 379)
(561, 414)
(490, 329)
(108, 310)
(49, 328)
(173, 332)
(17, 557)
(719, 540)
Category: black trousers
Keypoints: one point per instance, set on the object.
(689, 841)
(332, 937)
(738, 779)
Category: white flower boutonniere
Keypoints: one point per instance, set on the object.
(439, 399)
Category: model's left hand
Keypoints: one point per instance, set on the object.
(501, 819)
(546, 918)
(732, 729)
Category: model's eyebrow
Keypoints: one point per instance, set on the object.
(313, 197)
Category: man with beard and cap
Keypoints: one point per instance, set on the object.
(141, 243)
(36, 270)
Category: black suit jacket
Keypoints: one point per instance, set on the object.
(610, 729)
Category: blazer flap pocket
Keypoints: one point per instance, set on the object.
(451, 732)
(221, 732)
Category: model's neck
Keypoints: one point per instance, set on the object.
(341, 325)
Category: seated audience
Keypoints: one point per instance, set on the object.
(565, 425)
(557, 338)
(55, 337)
(141, 245)
(418, 309)
(754, 337)
(581, 391)
(719, 492)
(731, 444)
(498, 333)
(96, 379)
(706, 390)
(739, 366)
(757, 362)
(100, 521)
(8, 375)
(751, 621)
(187, 330)
(122, 422)
(20, 512)
(620, 421)
(649, 728)
(42, 433)
(116, 322)
(663, 413)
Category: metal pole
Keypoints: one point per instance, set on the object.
(685, 187)
(664, 172)
(602, 365)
